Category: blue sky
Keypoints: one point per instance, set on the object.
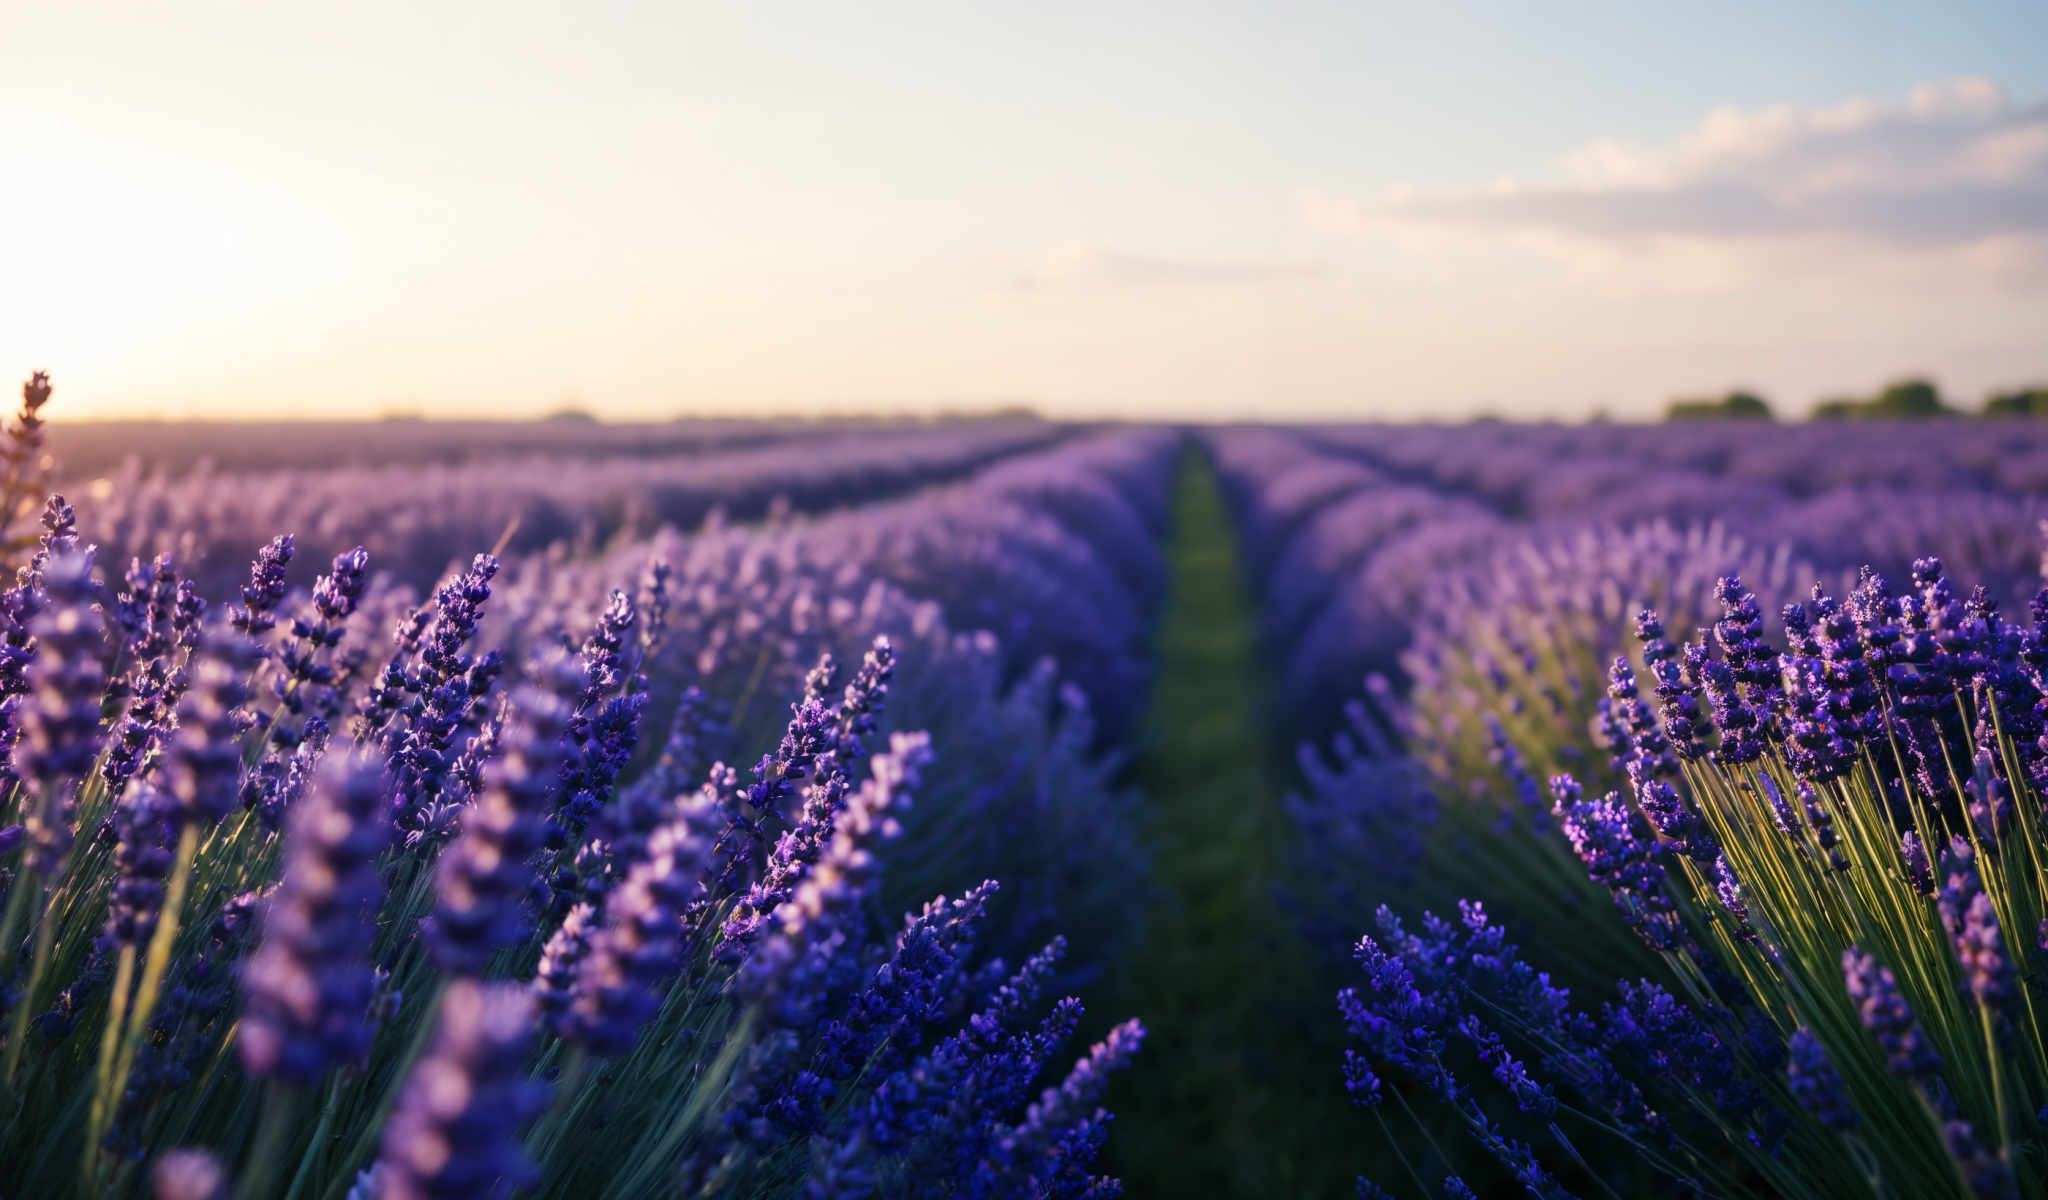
(1309, 210)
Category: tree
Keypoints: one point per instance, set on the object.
(1910, 398)
(2026, 402)
(1735, 406)
(1901, 399)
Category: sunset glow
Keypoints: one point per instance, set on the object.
(230, 209)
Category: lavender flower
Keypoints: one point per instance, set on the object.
(836, 887)
(60, 726)
(189, 1175)
(1739, 633)
(554, 979)
(1913, 858)
(337, 593)
(305, 655)
(1990, 1177)
(310, 983)
(1603, 834)
(455, 1133)
(59, 539)
(1884, 1013)
(24, 446)
(1677, 702)
(205, 754)
(1739, 723)
(265, 590)
(1971, 919)
(1651, 751)
(142, 860)
(1816, 1084)
(812, 748)
(625, 975)
(143, 729)
(602, 651)
(909, 991)
(1062, 1131)
(484, 876)
(458, 606)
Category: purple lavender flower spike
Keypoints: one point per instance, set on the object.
(265, 590)
(632, 959)
(455, 1134)
(1990, 1177)
(1677, 700)
(205, 754)
(887, 1019)
(1740, 726)
(837, 885)
(484, 876)
(60, 724)
(815, 747)
(863, 700)
(189, 1175)
(1816, 1084)
(142, 861)
(1818, 745)
(1740, 635)
(554, 979)
(318, 630)
(59, 539)
(603, 649)
(1883, 1010)
(1651, 751)
(1602, 833)
(1728, 889)
(1971, 919)
(309, 985)
(1913, 857)
(1064, 1128)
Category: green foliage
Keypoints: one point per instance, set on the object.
(2024, 402)
(1236, 1095)
(1735, 406)
(1902, 399)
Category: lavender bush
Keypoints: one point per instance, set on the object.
(1829, 844)
(295, 907)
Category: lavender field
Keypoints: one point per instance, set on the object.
(1011, 808)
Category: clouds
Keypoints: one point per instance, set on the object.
(1953, 177)
(1093, 266)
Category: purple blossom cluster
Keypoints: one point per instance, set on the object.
(460, 892)
(1353, 530)
(1824, 825)
(415, 517)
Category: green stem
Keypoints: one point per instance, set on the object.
(154, 967)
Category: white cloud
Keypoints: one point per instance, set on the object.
(1954, 178)
(1081, 266)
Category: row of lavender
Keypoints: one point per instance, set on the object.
(1354, 530)
(418, 518)
(1784, 880)
(102, 447)
(482, 907)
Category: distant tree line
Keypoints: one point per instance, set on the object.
(1902, 399)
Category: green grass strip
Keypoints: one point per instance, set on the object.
(1239, 1090)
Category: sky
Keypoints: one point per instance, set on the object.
(1352, 210)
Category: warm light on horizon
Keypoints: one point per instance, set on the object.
(245, 212)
